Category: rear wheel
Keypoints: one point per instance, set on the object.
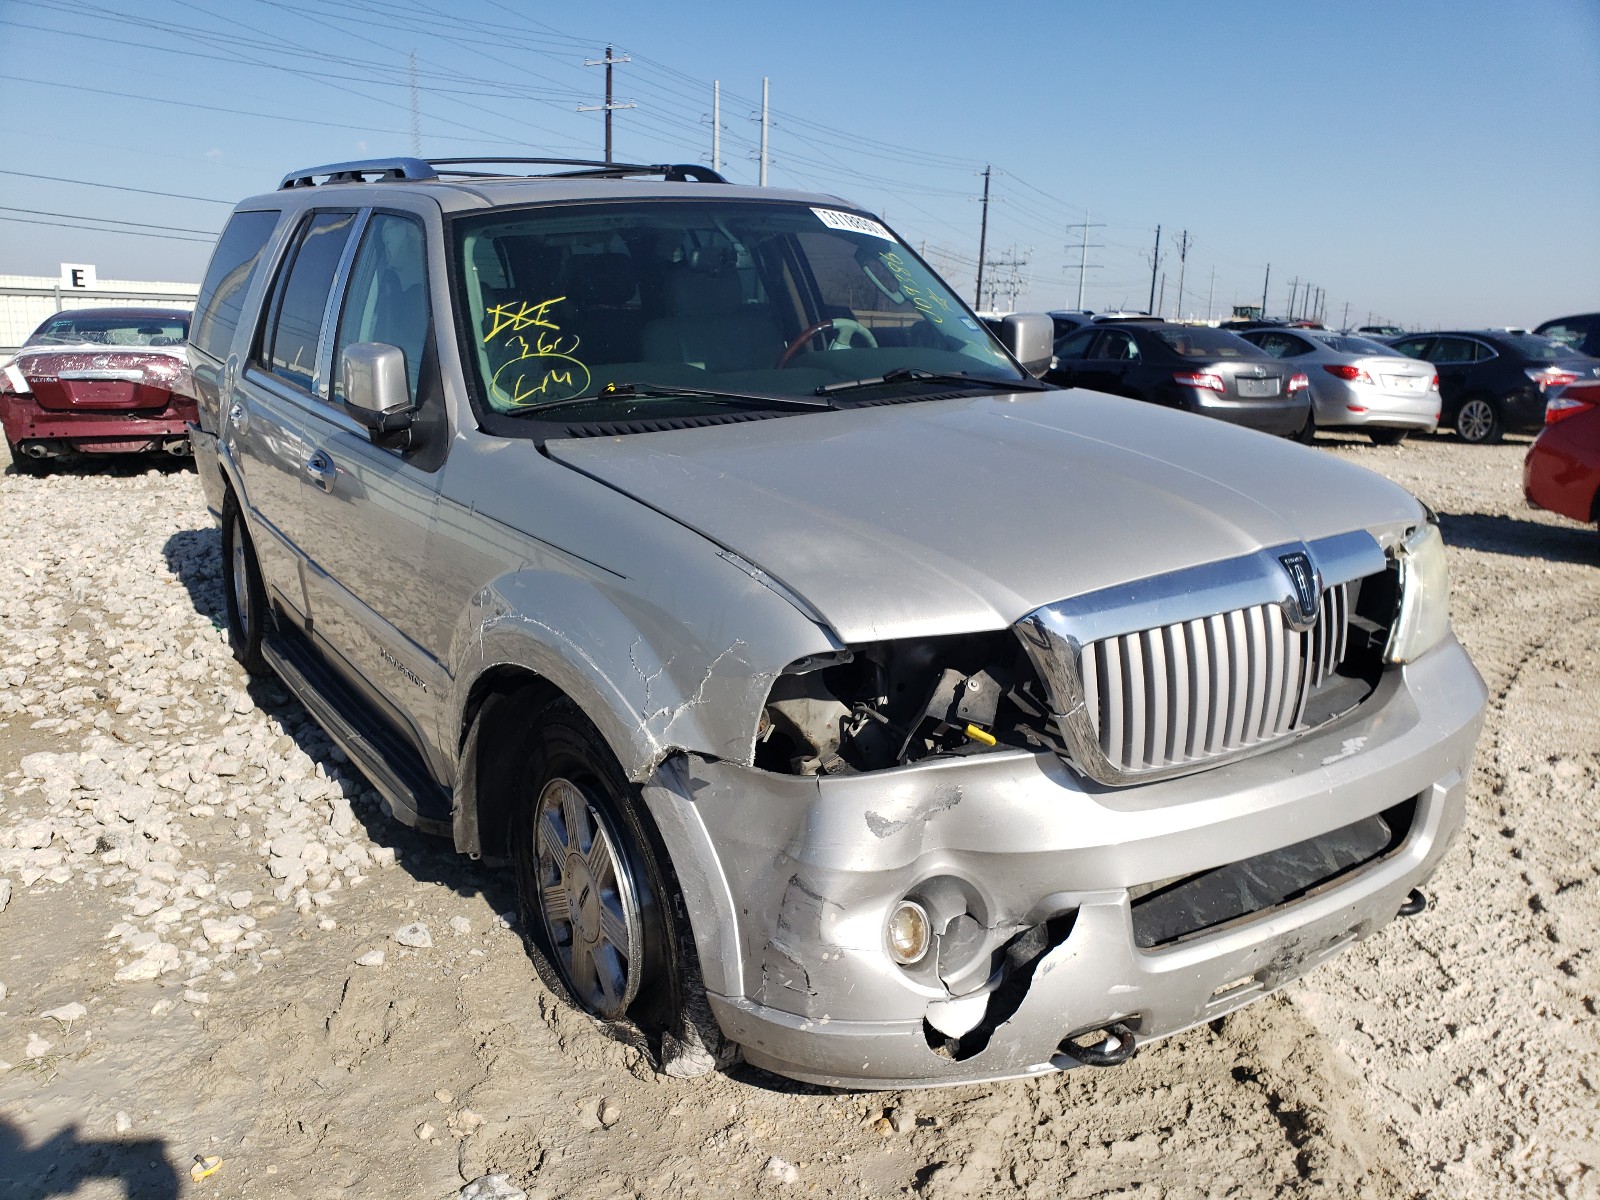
(601, 910)
(1478, 422)
(1307, 433)
(1387, 437)
(244, 595)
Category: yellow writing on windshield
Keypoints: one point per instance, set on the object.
(521, 315)
(921, 298)
(546, 367)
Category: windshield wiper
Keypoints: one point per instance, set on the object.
(918, 375)
(625, 391)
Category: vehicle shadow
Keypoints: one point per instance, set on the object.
(65, 1162)
(1499, 534)
(194, 556)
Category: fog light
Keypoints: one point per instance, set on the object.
(907, 933)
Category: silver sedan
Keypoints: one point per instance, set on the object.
(1357, 382)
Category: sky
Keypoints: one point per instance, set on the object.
(1427, 164)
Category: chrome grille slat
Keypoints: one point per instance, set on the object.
(1199, 689)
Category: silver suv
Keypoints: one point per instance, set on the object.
(837, 693)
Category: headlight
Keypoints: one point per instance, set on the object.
(1424, 616)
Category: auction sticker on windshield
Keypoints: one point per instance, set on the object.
(852, 223)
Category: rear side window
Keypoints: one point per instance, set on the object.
(233, 265)
(1414, 347)
(289, 346)
(1077, 345)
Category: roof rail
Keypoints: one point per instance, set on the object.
(586, 168)
(358, 172)
(400, 170)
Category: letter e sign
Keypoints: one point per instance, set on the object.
(77, 275)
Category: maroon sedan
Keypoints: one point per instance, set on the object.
(99, 381)
(1562, 470)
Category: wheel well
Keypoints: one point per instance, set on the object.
(494, 731)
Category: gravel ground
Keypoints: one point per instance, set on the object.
(214, 944)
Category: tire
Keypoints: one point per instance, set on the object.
(602, 915)
(1387, 437)
(1307, 433)
(244, 595)
(1478, 422)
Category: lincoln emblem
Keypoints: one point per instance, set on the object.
(1303, 578)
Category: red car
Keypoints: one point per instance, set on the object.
(1562, 470)
(99, 381)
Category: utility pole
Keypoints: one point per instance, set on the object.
(764, 123)
(1009, 284)
(1294, 285)
(1264, 284)
(1344, 321)
(716, 124)
(608, 107)
(1183, 256)
(416, 111)
(1155, 261)
(983, 236)
(1161, 304)
(1211, 292)
(1083, 251)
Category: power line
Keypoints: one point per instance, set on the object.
(117, 187)
(167, 237)
(38, 212)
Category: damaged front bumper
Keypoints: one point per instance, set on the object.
(1062, 906)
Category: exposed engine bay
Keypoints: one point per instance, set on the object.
(891, 703)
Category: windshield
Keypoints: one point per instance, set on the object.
(747, 297)
(132, 331)
(1195, 341)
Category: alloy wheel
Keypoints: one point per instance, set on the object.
(586, 897)
(1476, 421)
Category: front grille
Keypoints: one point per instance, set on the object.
(1194, 690)
(1168, 674)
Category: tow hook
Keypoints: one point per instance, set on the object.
(1115, 1047)
(1413, 904)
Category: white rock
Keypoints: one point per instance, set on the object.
(67, 1013)
(5, 893)
(162, 1007)
(140, 970)
(491, 1187)
(779, 1171)
(240, 899)
(33, 835)
(415, 935)
(372, 958)
(37, 1047)
(220, 933)
(383, 856)
(425, 1131)
(194, 997)
(460, 926)
(124, 1122)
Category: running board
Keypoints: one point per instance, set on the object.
(390, 762)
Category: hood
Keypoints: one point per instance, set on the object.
(964, 515)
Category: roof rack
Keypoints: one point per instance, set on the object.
(403, 170)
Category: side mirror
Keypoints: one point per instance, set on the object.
(1031, 339)
(376, 393)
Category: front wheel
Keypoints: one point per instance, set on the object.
(601, 910)
(244, 595)
(1478, 422)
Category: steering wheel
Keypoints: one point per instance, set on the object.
(845, 332)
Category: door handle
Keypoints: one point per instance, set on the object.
(322, 472)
